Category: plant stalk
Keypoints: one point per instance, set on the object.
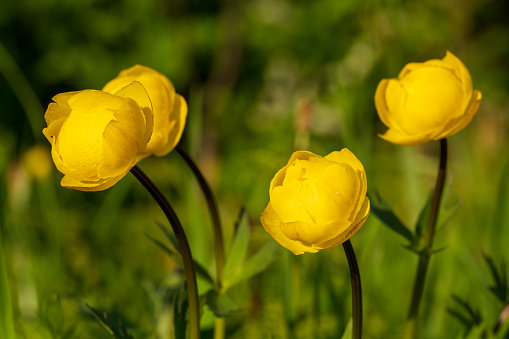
(219, 323)
(355, 277)
(189, 271)
(425, 255)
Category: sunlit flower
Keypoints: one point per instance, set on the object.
(37, 162)
(97, 137)
(317, 202)
(427, 101)
(170, 108)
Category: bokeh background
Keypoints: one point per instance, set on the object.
(262, 79)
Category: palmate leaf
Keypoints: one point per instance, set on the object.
(465, 314)
(115, 328)
(500, 287)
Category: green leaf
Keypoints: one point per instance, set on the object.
(238, 249)
(115, 328)
(258, 262)
(500, 287)
(175, 255)
(465, 314)
(347, 334)
(389, 219)
(221, 304)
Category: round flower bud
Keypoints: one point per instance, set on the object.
(317, 202)
(97, 137)
(170, 108)
(427, 101)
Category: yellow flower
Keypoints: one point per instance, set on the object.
(316, 203)
(427, 101)
(37, 162)
(97, 137)
(170, 108)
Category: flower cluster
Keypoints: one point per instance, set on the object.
(98, 136)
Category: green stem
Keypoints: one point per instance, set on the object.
(189, 271)
(219, 323)
(355, 277)
(425, 255)
(214, 213)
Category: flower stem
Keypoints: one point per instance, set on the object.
(189, 271)
(214, 213)
(220, 323)
(425, 255)
(355, 277)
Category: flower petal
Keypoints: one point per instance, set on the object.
(137, 92)
(271, 222)
(347, 234)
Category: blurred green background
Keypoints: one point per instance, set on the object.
(262, 78)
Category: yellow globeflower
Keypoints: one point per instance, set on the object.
(317, 202)
(37, 162)
(97, 137)
(170, 108)
(427, 101)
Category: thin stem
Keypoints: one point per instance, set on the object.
(214, 213)
(425, 255)
(355, 277)
(189, 271)
(219, 323)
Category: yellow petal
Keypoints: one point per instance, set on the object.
(287, 203)
(58, 109)
(271, 222)
(280, 175)
(120, 147)
(404, 139)
(94, 186)
(459, 123)
(332, 197)
(434, 96)
(80, 142)
(137, 92)
(347, 234)
(177, 122)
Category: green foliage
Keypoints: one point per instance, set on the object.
(115, 327)
(250, 70)
(500, 287)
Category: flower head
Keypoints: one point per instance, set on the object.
(427, 101)
(316, 202)
(170, 108)
(97, 137)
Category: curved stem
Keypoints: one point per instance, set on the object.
(424, 256)
(219, 323)
(189, 271)
(214, 213)
(355, 277)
